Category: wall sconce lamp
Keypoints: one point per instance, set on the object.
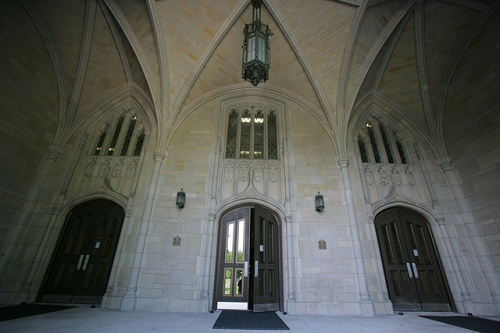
(320, 202)
(181, 199)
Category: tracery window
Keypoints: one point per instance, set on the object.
(252, 133)
(123, 135)
(379, 145)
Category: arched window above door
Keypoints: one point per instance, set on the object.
(379, 143)
(120, 135)
(252, 133)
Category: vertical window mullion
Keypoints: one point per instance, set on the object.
(264, 146)
(238, 135)
(133, 140)
(394, 147)
(246, 134)
(380, 142)
(272, 128)
(98, 150)
(139, 143)
(252, 134)
(232, 134)
(258, 135)
(387, 142)
(401, 152)
(122, 134)
(110, 135)
(363, 153)
(374, 152)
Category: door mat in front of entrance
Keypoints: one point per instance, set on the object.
(26, 310)
(247, 320)
(472, 323)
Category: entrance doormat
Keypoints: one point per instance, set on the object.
(247, 320)
(26, 310)
(472, 323)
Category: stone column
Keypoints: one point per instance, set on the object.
(117, 262)
(30, 288)
(290, 256)
(207, 258)
(129, 299)
(366, 304)
(492, 278)
(464, 289)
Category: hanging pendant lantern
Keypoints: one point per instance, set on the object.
(256, 48)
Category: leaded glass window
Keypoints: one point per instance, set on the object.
(379, 144)
(252, 134)
(376, 154)
(232, 132)
(118, 128)
(401, 152)
(98, 148)
(246, 126)
(272, 136)
(125, 139)
(362, 149)
(128, 136)
(258, 145)
(388, 149)
(139, 143)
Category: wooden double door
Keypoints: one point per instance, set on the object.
(248, 269)
(411, 265)
(84, 256)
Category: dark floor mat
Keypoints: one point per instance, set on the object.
(472, 323)
(26, 310)
(247, 320)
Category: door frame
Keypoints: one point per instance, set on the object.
(59, 236)
(434, 246)
(219, 238)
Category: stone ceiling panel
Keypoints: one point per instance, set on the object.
(224, 66)
(400, 81)
(68, 41)
(374, 22)
(321, 30)
(104, 71)
(188, 26)
(139, 20)
(446, 28)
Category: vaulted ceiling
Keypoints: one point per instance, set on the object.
(330, 53)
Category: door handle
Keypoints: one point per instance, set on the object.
(409, 270)
(256, 268)
(85, 262)
(245, 270)
(415, 270)
(79, 262)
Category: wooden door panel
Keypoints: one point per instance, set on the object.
(401, 286)
(100, 251)
(83, 260)
(69, 258)
(411, 267)
(266, 260)
(424, 261)
(232, 285)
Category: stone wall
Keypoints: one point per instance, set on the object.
(471, 121)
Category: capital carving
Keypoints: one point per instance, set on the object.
(159, 157)
(446, 166)
(343, 162)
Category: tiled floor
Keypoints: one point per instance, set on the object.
(86, 319)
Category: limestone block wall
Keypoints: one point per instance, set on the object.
(171, 275)
(471, 121)
(327, 281)
(29, 112)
